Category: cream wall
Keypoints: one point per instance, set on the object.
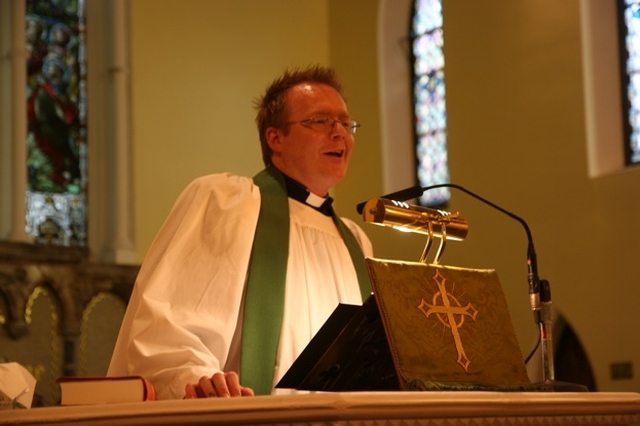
(516, 134)
(196, 66)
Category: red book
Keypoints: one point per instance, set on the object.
(79, 390)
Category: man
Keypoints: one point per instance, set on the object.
(245, 271)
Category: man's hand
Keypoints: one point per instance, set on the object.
(220, 385)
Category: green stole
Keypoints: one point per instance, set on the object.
(264, 297)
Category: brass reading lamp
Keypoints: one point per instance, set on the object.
(410, 218)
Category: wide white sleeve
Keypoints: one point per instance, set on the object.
(185, 304)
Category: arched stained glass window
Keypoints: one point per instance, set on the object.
(629, 23)
(430, 111)
(56, 117)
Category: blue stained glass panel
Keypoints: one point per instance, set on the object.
(428, 52)
(630, 23)
(429, 100)
(427, 16)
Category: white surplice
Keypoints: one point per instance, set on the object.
(183, 319)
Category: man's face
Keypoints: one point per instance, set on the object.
(317, 158)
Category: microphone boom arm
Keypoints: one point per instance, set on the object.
(532, 262)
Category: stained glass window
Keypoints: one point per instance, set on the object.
(430, 111)
(629, 23)
(56, 115)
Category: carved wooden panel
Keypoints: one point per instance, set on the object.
(59, 313)
(99, 329)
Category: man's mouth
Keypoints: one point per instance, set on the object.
(337, 153)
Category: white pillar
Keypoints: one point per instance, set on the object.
(123, 242)
(6, 214)
(18, 123)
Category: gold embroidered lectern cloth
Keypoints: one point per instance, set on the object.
(447, 327)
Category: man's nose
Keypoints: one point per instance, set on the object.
(337, 129)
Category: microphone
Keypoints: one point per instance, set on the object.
(402, 195)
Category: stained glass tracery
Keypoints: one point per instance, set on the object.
(429, 99)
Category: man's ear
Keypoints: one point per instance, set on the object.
(274, 139)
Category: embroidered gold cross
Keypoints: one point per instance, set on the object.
(447, 313)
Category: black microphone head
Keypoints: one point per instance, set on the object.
(405, 194)
(402, 195)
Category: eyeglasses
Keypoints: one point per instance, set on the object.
(325, 123)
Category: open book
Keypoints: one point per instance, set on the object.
(78, 390)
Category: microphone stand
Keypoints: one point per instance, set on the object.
(539, 290)
(546, 345)
(546, 332)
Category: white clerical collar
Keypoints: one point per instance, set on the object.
(299, 192)
(315, 200)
